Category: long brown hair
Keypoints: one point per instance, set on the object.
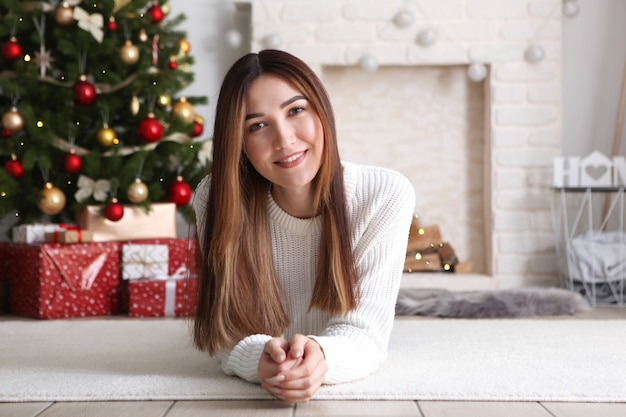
(238, 292)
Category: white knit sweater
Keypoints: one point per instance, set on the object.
(380, 206)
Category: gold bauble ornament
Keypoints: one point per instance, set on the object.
(118, 4)
(143, 36)
(166, 9)
(185, 46)
(183, 110)
(137, 191)
(106, 137)
(134, 105)
(12, 120)
(52, 200)
(64, 14)
(164, 100)
(129, 53)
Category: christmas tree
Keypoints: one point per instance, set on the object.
(92, 111)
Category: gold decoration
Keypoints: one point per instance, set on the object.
(185, 46)
(143, 36)
(52, 200)
(119, 4)
(134, 106)
(164, 100)
(13, 120)
(183, 110)
(64, 14)
(106, 137)
(129, 53)
(166, 9)
(137, 191)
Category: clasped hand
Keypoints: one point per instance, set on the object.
(292, 370)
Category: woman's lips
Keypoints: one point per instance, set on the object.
(291, 160)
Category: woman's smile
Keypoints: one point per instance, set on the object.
(291, 160)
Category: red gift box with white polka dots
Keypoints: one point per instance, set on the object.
(57, 280)
(4, 261)
(164, 298)
(161, 298)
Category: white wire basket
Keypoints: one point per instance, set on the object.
(591, 243)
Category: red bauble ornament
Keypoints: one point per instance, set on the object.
(197, 130)
(72, 163)
(14, 168)
(172, 64)
(84, 92)
(11, 50)
(150, 129)
(156, 13)
(112, 24)
(114, 211)
(179, 192)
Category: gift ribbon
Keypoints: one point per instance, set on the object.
(144, 261)
(170, 290)
(170, 298)
(67, 228)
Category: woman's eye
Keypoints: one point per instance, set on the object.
(255, 126)
(296, 110)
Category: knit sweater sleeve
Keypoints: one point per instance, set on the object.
(381, 211)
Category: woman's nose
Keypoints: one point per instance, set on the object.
(284, 135)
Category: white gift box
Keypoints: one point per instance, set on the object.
(145, 261)
(34, 233)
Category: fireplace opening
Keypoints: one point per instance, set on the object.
(427, 122)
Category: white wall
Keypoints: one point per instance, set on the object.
(594, 55)
(206, 24)
(594, 58)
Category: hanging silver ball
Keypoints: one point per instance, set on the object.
(534, 53)
(368, 63)
(571, 8)
(476, 71)
(404, 18)
(233, 38)
(273, 41)
(427, 37)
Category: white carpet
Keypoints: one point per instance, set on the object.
(491, 360)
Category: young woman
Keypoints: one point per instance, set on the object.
(301, 253)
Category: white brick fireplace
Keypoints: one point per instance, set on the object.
(479, 153)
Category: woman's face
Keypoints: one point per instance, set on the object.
(283, 135)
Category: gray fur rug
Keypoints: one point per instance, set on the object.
(510, 303)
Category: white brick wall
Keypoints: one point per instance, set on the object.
(522, 103)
